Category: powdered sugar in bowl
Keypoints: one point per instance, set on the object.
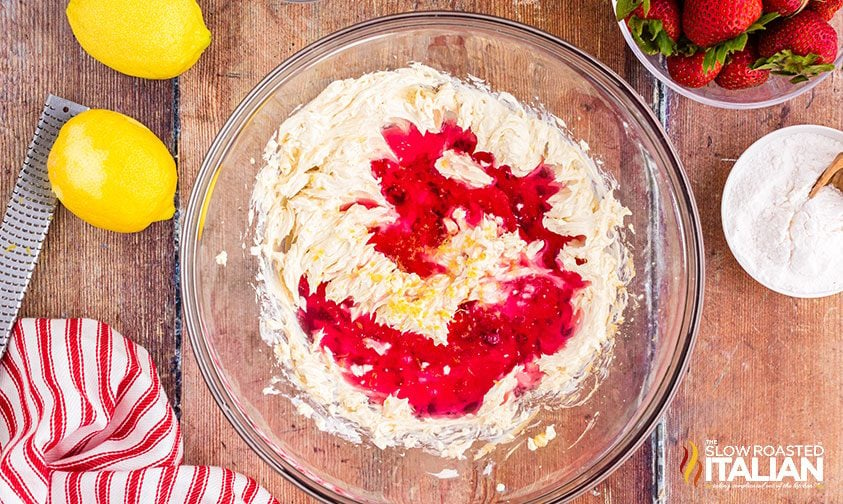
(787, 242)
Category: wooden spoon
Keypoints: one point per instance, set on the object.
(832, 175)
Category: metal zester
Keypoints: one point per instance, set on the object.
(28, 214)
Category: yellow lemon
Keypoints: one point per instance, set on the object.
(153, 39)
(112, 172)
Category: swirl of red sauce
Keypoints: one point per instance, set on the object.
(485, 342)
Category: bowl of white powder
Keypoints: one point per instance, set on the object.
(786, 241)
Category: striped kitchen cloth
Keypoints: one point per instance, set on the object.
(83, 418)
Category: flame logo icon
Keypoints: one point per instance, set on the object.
(691, 461)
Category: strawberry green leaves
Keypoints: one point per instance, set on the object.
(717, 54)
(655, 25)
(788, 63)
(762, 22)
(650, 36)
(625, 8)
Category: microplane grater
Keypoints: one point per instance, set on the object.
(29, 213)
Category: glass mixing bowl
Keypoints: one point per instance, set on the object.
(773, 92)
(652, 346)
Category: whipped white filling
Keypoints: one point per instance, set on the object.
(318, 163)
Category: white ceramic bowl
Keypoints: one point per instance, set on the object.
(769, 141)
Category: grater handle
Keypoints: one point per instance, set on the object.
(28, 214)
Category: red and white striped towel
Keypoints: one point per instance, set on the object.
(83, 418)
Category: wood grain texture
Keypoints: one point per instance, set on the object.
(766, 367)
(250, 39)
(123, 280)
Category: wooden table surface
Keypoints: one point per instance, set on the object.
(766, 367)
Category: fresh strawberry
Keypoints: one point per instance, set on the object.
(825, 8)
(737, 73)
(688, 70)
(654, 24)
(784, 7)
(802, 46)
(710, 22)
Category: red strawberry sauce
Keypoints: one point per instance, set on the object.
(485, 342)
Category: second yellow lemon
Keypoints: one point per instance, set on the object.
(153, 39)
(112, 172)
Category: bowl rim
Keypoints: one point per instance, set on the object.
(628, 442)
(690, 93)
(742, 164)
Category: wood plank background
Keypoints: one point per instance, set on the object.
(766, 367)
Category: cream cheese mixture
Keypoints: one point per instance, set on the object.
(438, 262)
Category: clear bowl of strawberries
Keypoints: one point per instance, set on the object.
(736, 54)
